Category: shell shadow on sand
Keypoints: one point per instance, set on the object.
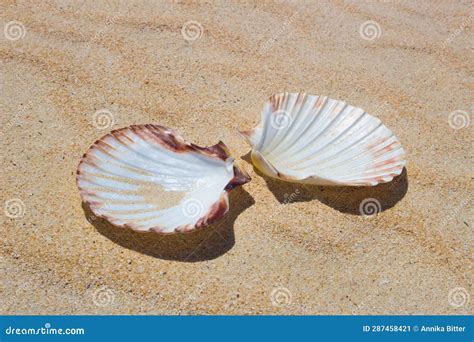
(346, 199)
(203, 244)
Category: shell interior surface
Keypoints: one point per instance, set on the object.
(149, 178)
(318, 140)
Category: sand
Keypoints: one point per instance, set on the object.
(311, 254)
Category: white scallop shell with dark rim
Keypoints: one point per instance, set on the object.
(149, 178)
(317, 140)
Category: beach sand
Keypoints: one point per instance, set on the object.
(73, 71)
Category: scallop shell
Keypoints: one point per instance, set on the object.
(149, 178)
(317, 140)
